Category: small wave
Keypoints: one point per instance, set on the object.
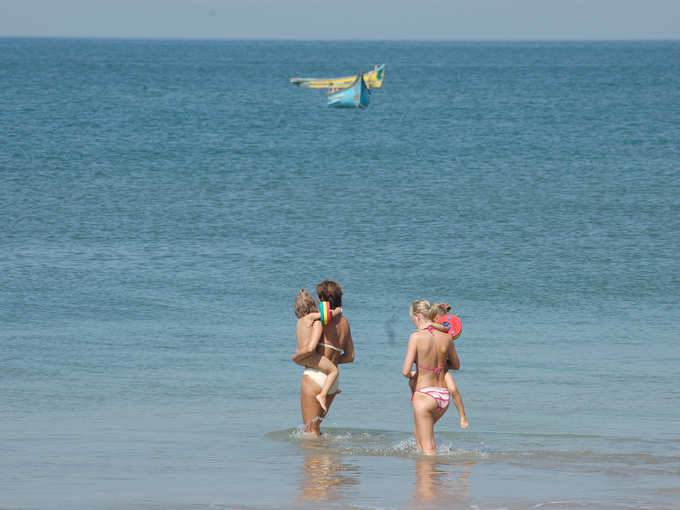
(669, 490)
(287, 434)
(330, 435)
(371, 442)
(449, 450)
(561, 504)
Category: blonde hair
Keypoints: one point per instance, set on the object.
(304, 304)
(441, 309)
(424, 308)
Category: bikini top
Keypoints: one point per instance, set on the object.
(331, 346)
(436, 370)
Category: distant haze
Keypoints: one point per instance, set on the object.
(350, 19)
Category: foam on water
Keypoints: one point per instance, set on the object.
(370, 443)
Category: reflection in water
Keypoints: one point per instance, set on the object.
(324, 476)
(440, 483)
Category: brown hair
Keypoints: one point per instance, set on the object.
(328, 290)
(304, 304)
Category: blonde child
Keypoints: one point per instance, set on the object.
(444, 320)
(308, 332)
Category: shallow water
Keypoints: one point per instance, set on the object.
(163, 201)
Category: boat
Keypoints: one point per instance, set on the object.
(357, 95)
(372, 78)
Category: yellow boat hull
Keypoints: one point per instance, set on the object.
(372, 78)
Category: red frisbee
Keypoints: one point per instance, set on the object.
(453, 323)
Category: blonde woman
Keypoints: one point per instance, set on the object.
(433, 354)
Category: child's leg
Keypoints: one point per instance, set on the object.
(457, 400)
(331, 371)
(316, 360)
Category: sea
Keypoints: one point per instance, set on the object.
(163, 201)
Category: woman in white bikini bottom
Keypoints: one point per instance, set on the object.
(319, 377)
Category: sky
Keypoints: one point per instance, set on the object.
(344, 19)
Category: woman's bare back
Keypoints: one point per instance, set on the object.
(432, 348)
(336, 334)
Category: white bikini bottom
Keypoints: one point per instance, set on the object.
(319, 378)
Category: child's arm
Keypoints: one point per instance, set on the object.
(316, 316)
(440, 327)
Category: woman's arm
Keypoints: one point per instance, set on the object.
(453, 361)
(410, 358)
(348, 351)
(312, 316)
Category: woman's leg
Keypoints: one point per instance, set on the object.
(312, 413)
(423, 408)
(311, 409)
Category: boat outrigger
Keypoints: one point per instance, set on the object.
(373, 79)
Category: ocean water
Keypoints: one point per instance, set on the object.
(161, 202)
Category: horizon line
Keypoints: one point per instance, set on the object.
(291, 39)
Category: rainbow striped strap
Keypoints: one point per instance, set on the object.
(325, 309)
